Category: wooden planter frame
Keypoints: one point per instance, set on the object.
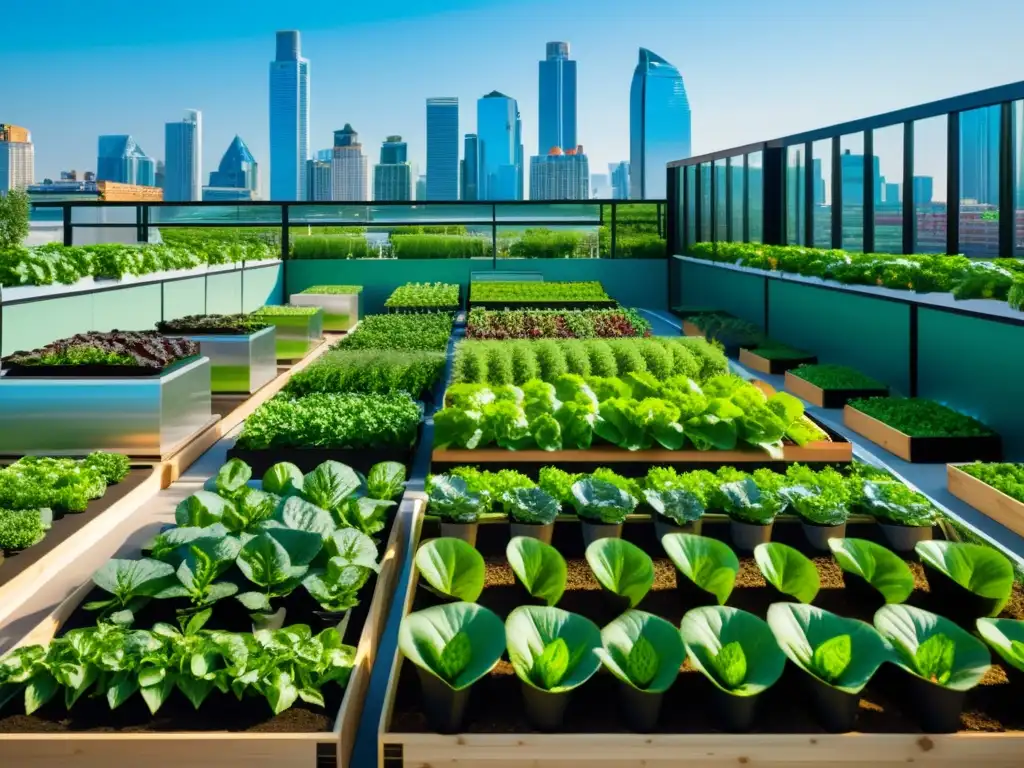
(934, 450)
(213, 749)
(772, 366)
(990, 501)
(827, 398)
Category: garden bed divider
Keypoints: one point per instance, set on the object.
(922, 450)
(990, 501)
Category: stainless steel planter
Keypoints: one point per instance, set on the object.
(142, 416)
(296, 334)
(239, 364)
(341, 310)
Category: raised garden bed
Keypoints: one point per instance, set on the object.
(424, 297)
(991, 501)
(831, 386)
(299, 329)
(924, 448)
(340, 304)
(239, 362)
(774, 360)
(103, 355)
(556, 324)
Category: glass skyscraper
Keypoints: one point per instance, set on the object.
(659, 125)
(392, 177)
(619, 175)
(557, 100)
(393, 151)
(183, 154)
(289, 119)
(470, 168)
(121, 160)
(238, 168)
(443, 148)
(499, 135)
(979, 155)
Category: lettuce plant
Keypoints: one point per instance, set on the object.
(386, 480)
(23, 528)
(709, 563)
(678, 505)
(977, 568)
(600, 502)
(746, 503)
(877, 565)
(1004, 477)
(622, 568)
(452, 568)
(1005, 637)
(551, 649)
(457, 642)
(539, 567)
(896, 504)
(790, 572)
(283, 478)
(450, 499)
(532, 506)
(642, 650)
(734, 649)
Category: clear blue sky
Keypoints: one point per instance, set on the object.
(754, 69)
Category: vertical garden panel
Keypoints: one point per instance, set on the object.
(28, 326)
(264, 285)
(707, 287)
(224, 293)
(974, 366)
(183, 297)
(126, 309)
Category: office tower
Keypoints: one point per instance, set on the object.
(238, 169)
(392, 177)
(892, 193)
(819, 181)
(421, 188)
(600, 185)
(470, 167)
(318, 179)
(443, 148)
(289, 119)
(325, 155)
(659, 125)
(979, 155)
(183, 153)
(557, 100)
(619, 173)
(560, 175)
(348, 167)
(852, 167)
(923, 190)
(498, 130)
(393, 151)
(17, 158)
(120, 159)
(160, 174)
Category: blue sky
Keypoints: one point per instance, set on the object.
(754, 69)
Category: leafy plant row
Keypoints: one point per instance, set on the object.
(1004, 477)
(425, 296)
(369, 371)
(230, 325)
(513, 291)
(919, 417)
(963, 277)
(829, 376)
(636, 413)
(334, 290)
(139, 349)
(429, 331)
(556, 324)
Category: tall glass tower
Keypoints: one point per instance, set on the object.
(470, 170)
(557, 126)
(289, 119)
(443, 148)
(979, 155)
(183, 153)
(120, 159)
(238, 169)
(499, 136)
(659, 125)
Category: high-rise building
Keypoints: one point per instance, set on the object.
(924, 187)
(238, 169)
(443, 148)
(659, 125)
(979, 155)
(393, 151)
(852, 167)
(600, 185)
(348, 167)
(17, 158)
(819, 181)
(470, 167)
(392, 177)
(619, 173)
(560, 175)
(289, 119)
(421, 188)
(184, 157)
(318, 179)
(499, 135)
(892, 193)
(121, 160)
(160, 174)
(325, 155)
(557, 100)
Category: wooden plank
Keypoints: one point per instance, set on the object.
(878, 432)
(1004, 509)
(805, 390)
(756, 362)
(691, 329)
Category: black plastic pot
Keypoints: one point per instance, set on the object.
(735, 713)
(902, 538)
(861, 590)
(444, 707)
(818, 535)
(955, 602)
(544, 710)
(639, 709)
(691, 595)
(534, 531)
(594, 531)
(937, 709)
(836, 710)
(664, 526)
(465, 531)
(746, 536)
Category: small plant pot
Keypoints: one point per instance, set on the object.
(902, 538)
(544, 710)
(639, 709)
(957, 604)
(594, 531)
(534, 531)
(664, 526)
(746, 536)
(692, 596)
(616, 605)
(735, 713)
(818, 535)
(862, 592)
(464, 531)
(937, 709)
(836, 710)
(444, 707)
(271, 621)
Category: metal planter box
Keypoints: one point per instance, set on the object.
(341, 310)
(143, 416)
(239, 364)
(296, 334)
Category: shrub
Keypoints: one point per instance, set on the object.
(426, 246)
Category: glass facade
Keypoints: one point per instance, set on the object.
(1017, 175)
(289, 119)
(557, 100)
(500, 146)
(659, 125)
(978, 207)
(184, 157)
(929, 185)
(796, 191)
(443, 148)
(888, 146)
(821, 207)
(736, 195)
(853, 189)
(755, 197)
(238, 168)
(470, 171)
(121, 160)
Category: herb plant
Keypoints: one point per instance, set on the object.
(22, 528)
(536, 291)
(429, 332)
(556, 324)
(285, 310)
(827, 376)
(38, 482)
(918, 417)
(1006, 478)
(334, 290)
(369, 372)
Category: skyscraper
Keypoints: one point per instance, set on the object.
(470, 167)
(619, 173)
(600, 185)
(121, 160)
(17, 158)
(979, 155)
(443, 148)
(393, 151)
(659, 125)
(421, 188)
(560, 175)
(557, 100)
(183, 153)
(318, 179)
(392, 177)
(924, 190)
(348, 167)
(289, 119)
(852, 167)
(238, 168)
(499, 133)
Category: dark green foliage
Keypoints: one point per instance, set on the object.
(918, 417)
(836, 377)
(331, 247)
(213, 324)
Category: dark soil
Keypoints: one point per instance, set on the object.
(496, 704)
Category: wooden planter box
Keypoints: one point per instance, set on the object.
(216, 749)
(755, 362)
(341, 310)
(1004, 509)
(937, 450)
(827, 398)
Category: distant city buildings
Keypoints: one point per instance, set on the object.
(892, 194)
(600, 185)
(560, 175)
(557, 101)
(421, 188)
(289, 119)
(392, 177)
(348, 167)
(238, 169)
(470, 168)
(109, 191)
(852, 167)
(979, 155)
(184, 158)
(659, 125)
(17, 158)
(619, 173)
(160, 175)
(121, 160)
(923, 190)
(499, 132)
(442, 148)
(318, 177)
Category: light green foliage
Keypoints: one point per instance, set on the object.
(452, 567)
(425, 296)
(734, 649)
(552, 649)
(539, 566)
(427, 331)
(622, 568)
(787, 570)
(369, 371)
(1006, 478)
(877, 565)
(983, 570)
(642, 650)
(707, 562)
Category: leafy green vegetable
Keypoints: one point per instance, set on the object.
(734, 649)
(599, 501)
(983, 570)
(369, 371)
(531, 506)
(427, 331)
(386, 480)
(896, 504)
(787, 570)
(678, 505)
(475, 635)
(23, 528)
(707, 562)
(552, 649)
(452, 567)
(130, 584)
(283, 479)
(836, 377)
(642, 650)
(450, 499)
(425, 295)
(918, 417)
(877, 565)
(1005, 478)
(1006, 637)
(622, 568)
(521, 291)
(747, 503)
(539, 566)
